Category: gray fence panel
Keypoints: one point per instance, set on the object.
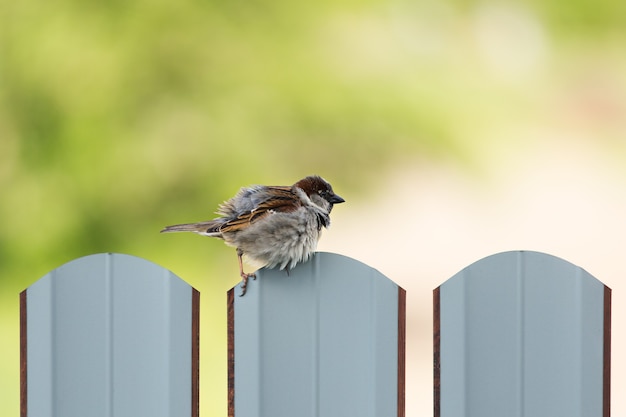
(323, 341)
(110, 335)
(522, 334)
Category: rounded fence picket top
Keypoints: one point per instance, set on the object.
(522, 334)
(109, 335)
(326, 340)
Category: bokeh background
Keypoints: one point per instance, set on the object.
(454, 129)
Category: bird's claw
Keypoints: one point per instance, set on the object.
(244, 282)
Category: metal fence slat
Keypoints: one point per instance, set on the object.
(322, 341)
(109, 335)
(522, 334)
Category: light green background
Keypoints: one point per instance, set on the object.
(117, 118)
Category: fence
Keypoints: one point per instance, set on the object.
(327, 340)
(522, 334)
(109, 335)
(516, 334)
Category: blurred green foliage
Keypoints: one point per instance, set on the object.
(120, 117)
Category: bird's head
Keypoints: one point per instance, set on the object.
(319, 191)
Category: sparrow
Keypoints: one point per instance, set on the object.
(271, 225)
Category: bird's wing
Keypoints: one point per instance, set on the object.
(272, 200)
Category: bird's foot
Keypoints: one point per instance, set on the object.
(244, 281)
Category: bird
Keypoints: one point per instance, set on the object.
(271, 225)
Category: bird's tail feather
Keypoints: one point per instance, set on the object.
(208, 228)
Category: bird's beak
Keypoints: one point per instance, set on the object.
(335, 199)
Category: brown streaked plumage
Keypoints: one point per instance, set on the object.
(271, 225)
